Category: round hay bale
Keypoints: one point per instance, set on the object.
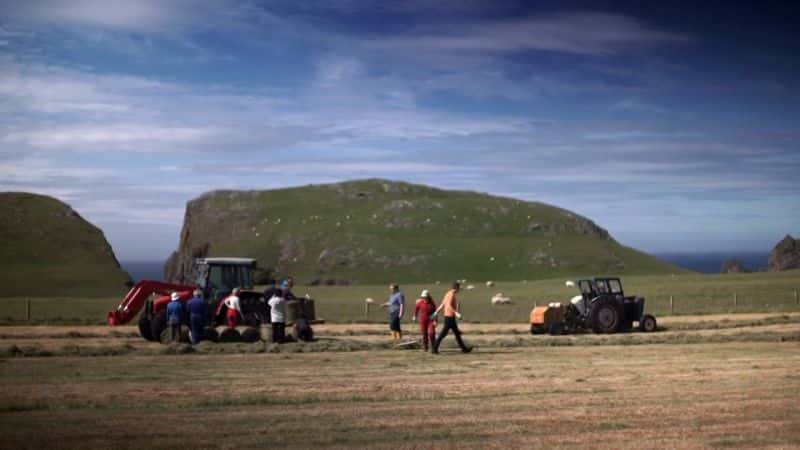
(250, 334)
(210, 334)
(229, 335)
(266, 332)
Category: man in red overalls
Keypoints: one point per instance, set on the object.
(234, 305)
(423, 309)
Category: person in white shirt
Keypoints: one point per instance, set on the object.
(234, 305)
(277, 306)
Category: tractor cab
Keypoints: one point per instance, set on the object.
(217, 277)
(594, 287)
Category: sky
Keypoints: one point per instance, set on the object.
(674, 126)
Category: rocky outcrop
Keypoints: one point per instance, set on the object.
(785, 255)
(374, 231)
(733, 266)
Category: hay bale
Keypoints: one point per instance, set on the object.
(229, 335)
(265, 330)
(249, 334)
(210, 334)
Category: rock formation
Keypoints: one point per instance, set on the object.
(785, 255)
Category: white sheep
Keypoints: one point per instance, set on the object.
(470, 287)
(369, 300)
(500, 299)
(489, 283)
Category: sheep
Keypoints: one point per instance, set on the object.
(369, 300)
(470, 287)
(489, 284)
(500, 299)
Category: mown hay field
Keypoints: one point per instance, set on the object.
(723, 395)
(691, 294)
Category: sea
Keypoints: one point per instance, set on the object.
(698, 262)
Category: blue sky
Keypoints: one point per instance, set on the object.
(673, 126)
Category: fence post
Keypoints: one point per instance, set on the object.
(366, 310)
(671, 306)
(28, 309)
(735, 300)
(796, 298)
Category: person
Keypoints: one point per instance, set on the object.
(277, 306)
(396, 305)
(423, 310)
(286, 286)
(174, 316)
(234, 305)
(450, 307)
(197, 315)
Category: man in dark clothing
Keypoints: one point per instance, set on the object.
(197, 315)
(175, 316)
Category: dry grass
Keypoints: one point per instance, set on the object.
(743, 394)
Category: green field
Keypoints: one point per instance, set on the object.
(48, 249)
(691, 293)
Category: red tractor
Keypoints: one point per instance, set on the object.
(216, 277)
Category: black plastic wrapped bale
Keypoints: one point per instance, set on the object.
(249, 334)
(228, 334)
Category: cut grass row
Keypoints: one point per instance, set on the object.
(340, 345)
(690, 294)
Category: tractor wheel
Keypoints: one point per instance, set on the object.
(648, 323)
(605, 316)
(158, 324)
(626, 326)
(537, 329)
(145, 328)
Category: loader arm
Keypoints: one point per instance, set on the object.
(137, 297)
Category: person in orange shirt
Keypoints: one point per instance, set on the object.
(450, 307)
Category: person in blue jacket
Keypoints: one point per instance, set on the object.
(197, 315)
(175, 316)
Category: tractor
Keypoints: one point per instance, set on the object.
(216, 278)
(601, 307)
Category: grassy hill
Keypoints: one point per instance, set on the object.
(377, 231)
(48, 249)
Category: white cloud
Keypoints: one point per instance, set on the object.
(581, 33)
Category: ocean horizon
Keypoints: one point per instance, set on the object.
(708, 263)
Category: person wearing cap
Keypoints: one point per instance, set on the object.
(174, 316)
(396, 305)
(234, 305)
(450, 307)
(423, 310)
(197, 315)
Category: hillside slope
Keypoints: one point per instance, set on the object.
(377, 231)
(48, 250)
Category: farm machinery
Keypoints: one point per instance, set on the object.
(216, 278)
(601, 307)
